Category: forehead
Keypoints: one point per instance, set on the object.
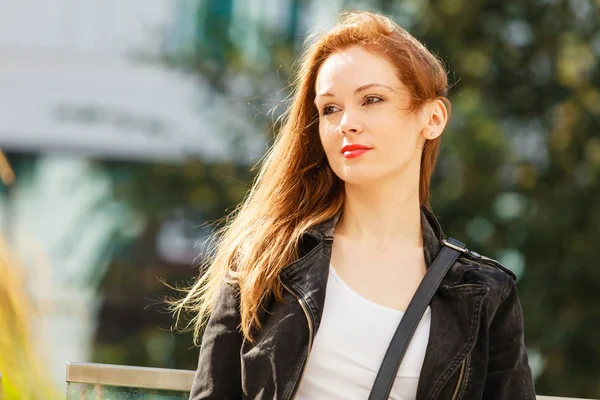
(354, 67)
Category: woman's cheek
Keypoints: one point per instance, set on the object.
(328, 137)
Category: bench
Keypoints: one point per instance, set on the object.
(99, 381)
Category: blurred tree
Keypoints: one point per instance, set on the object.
(519, 171)
(132, 316)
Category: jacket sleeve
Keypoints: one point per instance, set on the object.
(509, 375)
(218, 375)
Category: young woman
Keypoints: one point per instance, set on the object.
(312, 275)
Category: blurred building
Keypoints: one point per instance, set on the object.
(89, 78)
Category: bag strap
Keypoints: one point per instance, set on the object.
(410, 320)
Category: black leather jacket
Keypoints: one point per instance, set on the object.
(476, 348)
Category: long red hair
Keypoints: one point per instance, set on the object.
(295, 188)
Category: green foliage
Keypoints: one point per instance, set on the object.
(523, 151)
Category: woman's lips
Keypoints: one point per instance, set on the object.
(354, 153)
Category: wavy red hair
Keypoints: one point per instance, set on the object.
(295, 188)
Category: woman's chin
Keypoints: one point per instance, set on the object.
(371, 177)
(357, 178)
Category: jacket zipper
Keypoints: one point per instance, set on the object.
(460, 379)
(310, 338)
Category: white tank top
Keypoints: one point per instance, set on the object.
(349, 346)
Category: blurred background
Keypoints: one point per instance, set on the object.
(127, 128)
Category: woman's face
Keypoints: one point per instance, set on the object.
(362, 103)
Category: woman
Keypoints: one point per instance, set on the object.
(312, 275)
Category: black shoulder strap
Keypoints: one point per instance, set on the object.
(411, 318)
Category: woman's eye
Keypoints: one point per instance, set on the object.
(372, 99)
(329, 109)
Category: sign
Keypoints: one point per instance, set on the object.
(113, 107)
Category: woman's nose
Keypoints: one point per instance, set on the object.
(350, 124)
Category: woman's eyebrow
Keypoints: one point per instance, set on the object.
(360, 89)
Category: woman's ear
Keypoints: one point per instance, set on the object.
(436, 117)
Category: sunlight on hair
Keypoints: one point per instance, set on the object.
(296, 188)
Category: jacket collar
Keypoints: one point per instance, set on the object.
(308, 276)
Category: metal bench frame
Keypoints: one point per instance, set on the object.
(151, 378)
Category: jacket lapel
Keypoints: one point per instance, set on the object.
(308, 279)
(455, 314)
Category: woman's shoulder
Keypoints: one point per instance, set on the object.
(489, 265)
(475, 268)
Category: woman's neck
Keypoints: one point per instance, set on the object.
(382, 214)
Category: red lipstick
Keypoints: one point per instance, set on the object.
(354, 150)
